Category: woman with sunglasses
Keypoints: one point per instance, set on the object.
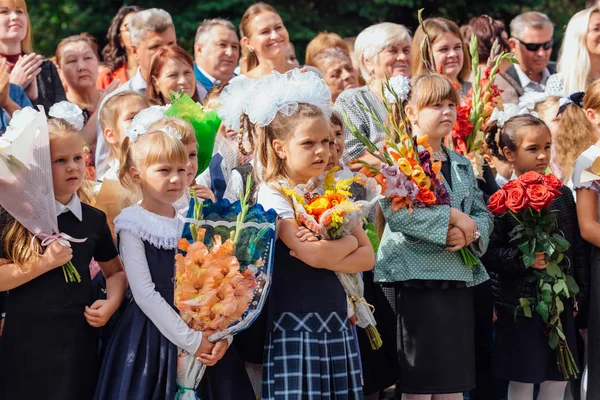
(118, 58)
(531, 42)
(579, 59)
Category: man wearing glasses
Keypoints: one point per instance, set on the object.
(531, 42)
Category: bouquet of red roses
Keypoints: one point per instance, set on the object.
(527, 199)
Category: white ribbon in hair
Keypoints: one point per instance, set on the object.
(275, 93)
(401, 86)
(530, 99)
(142, 121)
(232, 100)
(69, 112)
(510, 110)
(170, 131)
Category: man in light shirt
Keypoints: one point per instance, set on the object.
(150, 30)
(216, 54)
(531, 42)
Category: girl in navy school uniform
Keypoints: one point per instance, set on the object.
(309, 350)
(523, 355)
(49, 347)
(140, 361)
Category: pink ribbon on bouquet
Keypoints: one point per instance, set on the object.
(61, 238)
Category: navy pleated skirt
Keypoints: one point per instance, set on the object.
(139, 362)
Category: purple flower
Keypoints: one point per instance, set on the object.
(412, 190)
(424, 156)
(389, 170)
(427, 169)
(441, 194)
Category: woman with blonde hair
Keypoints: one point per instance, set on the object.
(38, 76)
(448, 50)
(579, 59)
(578, 130)
(383, 51)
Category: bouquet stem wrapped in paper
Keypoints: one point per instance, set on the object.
(26, 187)
(527, 199)
(328, 210)
(223, 273)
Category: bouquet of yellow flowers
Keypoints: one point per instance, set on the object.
(223, 273)
(326, 207)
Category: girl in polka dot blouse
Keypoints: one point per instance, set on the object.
(419, 257)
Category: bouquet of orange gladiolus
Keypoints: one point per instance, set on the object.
(223, 273)
(408, 176)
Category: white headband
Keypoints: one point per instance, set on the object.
(510, 110)
(142, 121)
(262, 100)
(69, 112)
(401, 86)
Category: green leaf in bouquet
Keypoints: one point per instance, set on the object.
(559, 286)
(560, 307)
(560, 333)
(206, 125)
(572, 285)
(528, 259)
(526, 306)
(542, 309)
(559, 258)
(548, 219)
(546, 296)
(562, 244)
(553, 340)
(527, 247)
(553, 269)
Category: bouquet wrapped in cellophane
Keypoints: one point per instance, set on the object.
(471, 116)
(223, 273)
(26, 187)
(205, 122)
(326, 207)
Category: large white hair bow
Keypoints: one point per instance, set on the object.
(262, 100)
(510, 110)
(69, 112)
(142, 121)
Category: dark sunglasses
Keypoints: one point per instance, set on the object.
(536, 46)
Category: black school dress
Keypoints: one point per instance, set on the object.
(48, 350)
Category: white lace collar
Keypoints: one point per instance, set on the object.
(161, 232)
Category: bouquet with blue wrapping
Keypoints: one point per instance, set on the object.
(223, 273)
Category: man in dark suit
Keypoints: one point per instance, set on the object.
(531, 42)
(216, 54)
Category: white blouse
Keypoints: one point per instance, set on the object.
(583, 162)
(134, 225)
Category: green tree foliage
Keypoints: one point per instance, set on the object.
(53, 20)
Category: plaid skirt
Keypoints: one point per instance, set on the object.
(311, 356)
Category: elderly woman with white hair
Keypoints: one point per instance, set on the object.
(579, 59)
(383, 51)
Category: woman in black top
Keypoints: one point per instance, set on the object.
(38, 76)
